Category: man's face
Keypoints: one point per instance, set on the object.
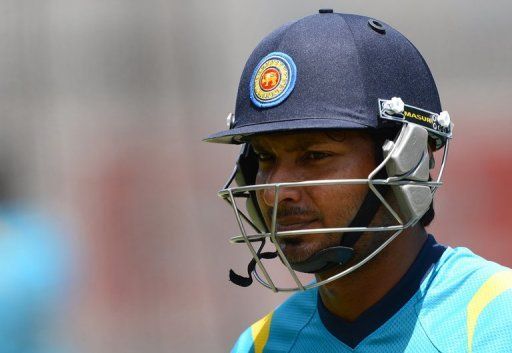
(312, 156)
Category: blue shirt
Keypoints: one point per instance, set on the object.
(450, 300)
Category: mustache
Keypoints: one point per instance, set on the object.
(287, 211)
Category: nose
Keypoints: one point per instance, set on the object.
(281, 174)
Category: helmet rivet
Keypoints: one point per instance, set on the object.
(230, 120)
(444, 119)
(395, 105)
(376, 26)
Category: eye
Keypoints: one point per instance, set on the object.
(264, 157)
(316, 155)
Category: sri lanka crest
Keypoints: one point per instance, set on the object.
(273, 80)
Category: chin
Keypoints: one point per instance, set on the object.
(298, 250)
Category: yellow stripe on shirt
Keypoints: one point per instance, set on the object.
(494, 286)
(260, 333)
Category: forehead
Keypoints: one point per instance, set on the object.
(305, 139)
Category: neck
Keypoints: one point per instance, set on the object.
(349, 296)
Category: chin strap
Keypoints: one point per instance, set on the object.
(324, 259)
(247, 281)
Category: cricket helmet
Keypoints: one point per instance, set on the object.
(333, 71)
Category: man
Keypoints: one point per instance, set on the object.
(339, 118)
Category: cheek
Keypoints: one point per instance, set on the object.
(338, 204)
(259, 199)
(260, 177)
(353, 168)
(263, 207)
(259, 193)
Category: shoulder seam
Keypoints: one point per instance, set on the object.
(300, 331)
(421, 324)
(425, 332)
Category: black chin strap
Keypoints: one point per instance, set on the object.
(324, 260)
(364, 216)
(247, 281)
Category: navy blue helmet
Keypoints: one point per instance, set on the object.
(332, 71)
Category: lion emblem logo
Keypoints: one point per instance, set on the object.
(273, 80)
(269, 79)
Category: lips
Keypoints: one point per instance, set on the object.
(293, 223)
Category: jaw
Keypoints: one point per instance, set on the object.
(300, 248)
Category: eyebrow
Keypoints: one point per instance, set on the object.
(308, 141)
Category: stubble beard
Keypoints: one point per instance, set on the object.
(300, 248)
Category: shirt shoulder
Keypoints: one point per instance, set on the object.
(278, 330)
(466, 304)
